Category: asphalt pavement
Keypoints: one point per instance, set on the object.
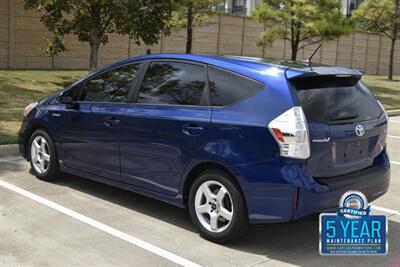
(77, 222)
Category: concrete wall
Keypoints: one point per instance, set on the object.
(23, 39)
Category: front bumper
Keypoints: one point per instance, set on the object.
(22, 138)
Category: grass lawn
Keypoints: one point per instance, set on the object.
(388, 92)
(19, 88)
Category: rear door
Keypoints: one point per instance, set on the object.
(346, 123)
(165, 129)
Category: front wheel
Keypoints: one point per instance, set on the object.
(217, 207)
(43, 157)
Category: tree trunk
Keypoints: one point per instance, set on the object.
(391, 60)
(295, 47)
(189, 28)
(94, 52)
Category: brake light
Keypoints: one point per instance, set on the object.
(278, 134)
(291, 133)
(29, 108)
(381, 106)
(383, 135)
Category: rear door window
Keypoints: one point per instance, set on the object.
(334, 100)
(175, 83)
(226, 87)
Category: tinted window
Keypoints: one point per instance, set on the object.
(227, 88)
(340, 101)
(74, 92)
(173, 83)
(112, 86)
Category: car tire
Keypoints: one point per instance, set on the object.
(43, 156)
(220, 214)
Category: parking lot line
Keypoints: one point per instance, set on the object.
(395, 137)
(390, 211)
(105, 228)
(395, 162)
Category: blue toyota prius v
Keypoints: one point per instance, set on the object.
(234, 140)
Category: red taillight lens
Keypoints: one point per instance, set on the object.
(278, 134)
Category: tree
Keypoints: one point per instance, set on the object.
(93, 20)
(381, 16)
(301, 22)
(190, 13)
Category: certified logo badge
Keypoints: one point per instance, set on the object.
(353, 205)
(352, 230)
(360, 131)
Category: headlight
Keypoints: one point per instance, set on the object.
(29, 108)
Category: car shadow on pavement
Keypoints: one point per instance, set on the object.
(294, 243)
(298, 243)
(10, 165)
(130, 200)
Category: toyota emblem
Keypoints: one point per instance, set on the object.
(360, 131)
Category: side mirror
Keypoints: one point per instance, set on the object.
(67, 100)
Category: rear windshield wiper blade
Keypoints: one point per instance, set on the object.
(344, 118)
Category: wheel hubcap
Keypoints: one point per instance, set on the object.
(40, 154)
(213, 206)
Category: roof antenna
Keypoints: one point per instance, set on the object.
(308, 61)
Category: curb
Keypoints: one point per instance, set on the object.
(9, 151)
(394, 112)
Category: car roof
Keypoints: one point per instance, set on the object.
(257, 68)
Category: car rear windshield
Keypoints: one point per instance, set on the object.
(334, 100)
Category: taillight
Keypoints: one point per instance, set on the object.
(29, 108)
(291, 133)
(383, 135)
(380, 104)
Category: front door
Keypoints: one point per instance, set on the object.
(89, 138)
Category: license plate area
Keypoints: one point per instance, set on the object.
(351, 150)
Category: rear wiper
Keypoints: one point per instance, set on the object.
(344, 118)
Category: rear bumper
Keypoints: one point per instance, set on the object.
(373, 182)
(299, 195)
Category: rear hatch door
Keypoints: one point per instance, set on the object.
(346, 123)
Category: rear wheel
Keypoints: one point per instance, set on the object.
(43, 157)
(217, 207)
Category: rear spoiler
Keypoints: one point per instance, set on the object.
(321, 70)
(303, 82)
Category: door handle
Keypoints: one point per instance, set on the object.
(192, 129)
(111, 122)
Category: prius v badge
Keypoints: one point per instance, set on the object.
(324, 140)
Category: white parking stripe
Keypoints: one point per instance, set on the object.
(395, 162)
(394, 121)
(390, 211)
(105, 228)
(395, 137)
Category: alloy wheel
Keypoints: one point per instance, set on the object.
(213, 206)
(40, 154)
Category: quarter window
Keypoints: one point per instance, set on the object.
(174, 83)
(112, 86)
(227, 87)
